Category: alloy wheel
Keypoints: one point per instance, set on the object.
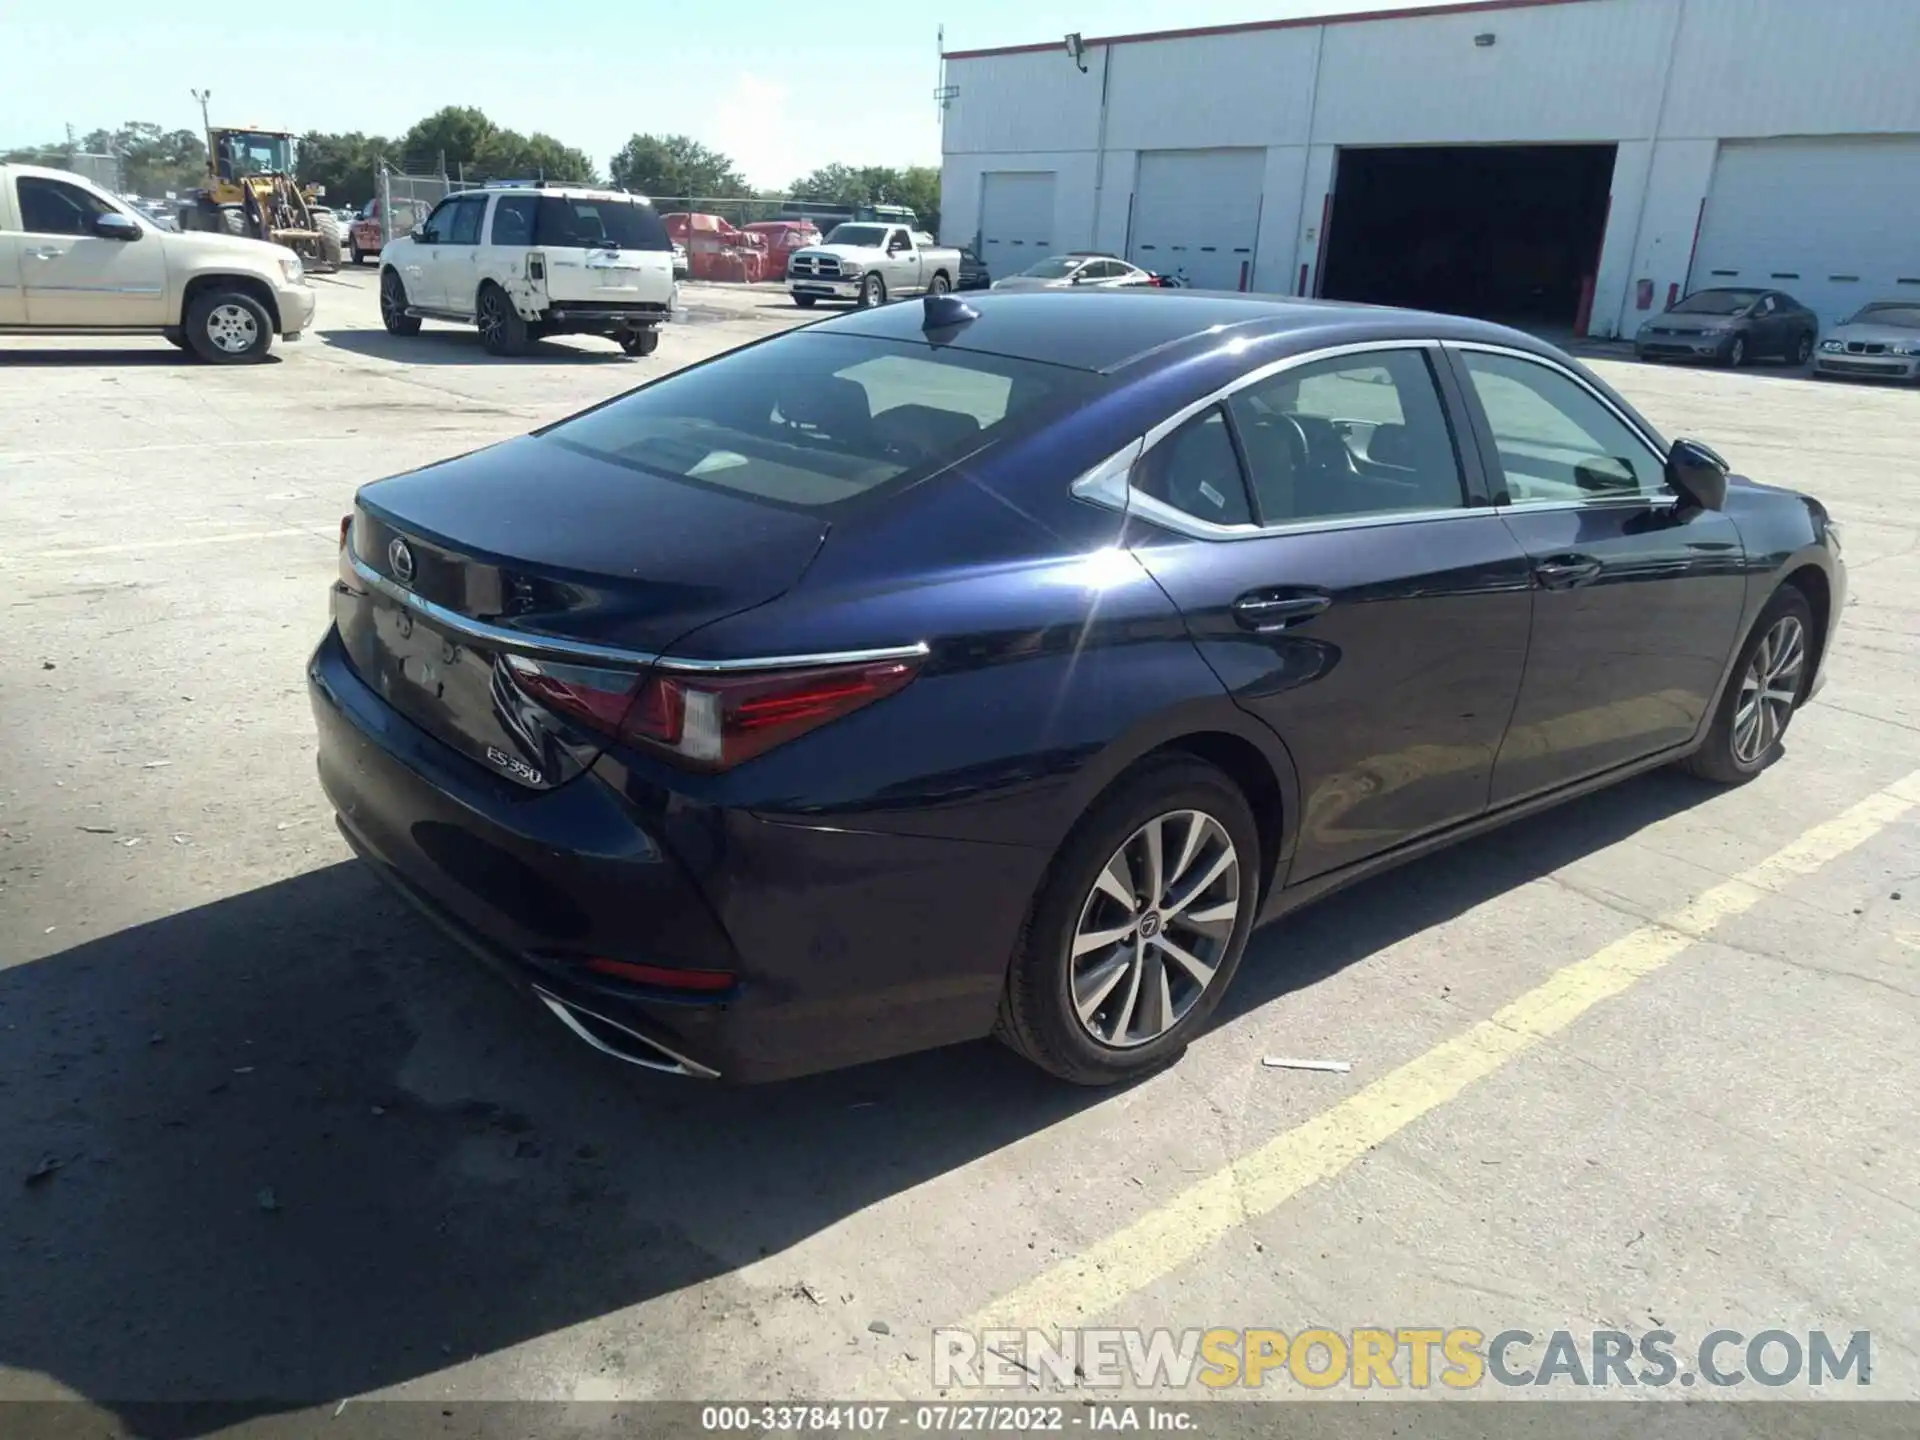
(232, 328)
(492, 322)
(1768, 690)
(1155, 928)
(1804, 350)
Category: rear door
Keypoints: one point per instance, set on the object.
(609, 250)
(1637, 600)
(1359, 596)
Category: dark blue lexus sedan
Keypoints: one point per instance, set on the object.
(952, 668)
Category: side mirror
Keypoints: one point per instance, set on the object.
(115, 226)
(1698, 473)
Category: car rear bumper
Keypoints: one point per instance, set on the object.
(1871, 367)
(847, 946)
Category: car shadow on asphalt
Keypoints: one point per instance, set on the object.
(161, 354)
(1322, 939)
(459, 347)
(288, 1147)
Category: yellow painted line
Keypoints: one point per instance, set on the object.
(178, 542)
(1179, 1231)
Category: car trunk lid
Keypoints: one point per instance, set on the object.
(457, 575)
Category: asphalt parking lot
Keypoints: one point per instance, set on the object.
(1644, 1063)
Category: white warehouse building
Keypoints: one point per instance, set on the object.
(1566, 164)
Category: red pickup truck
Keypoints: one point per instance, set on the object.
(364, 236)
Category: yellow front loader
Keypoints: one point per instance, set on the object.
(252, 189)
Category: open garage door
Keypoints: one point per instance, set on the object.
(1833, 222)
(1502, 232)
(1198, 211)
(1016, 219)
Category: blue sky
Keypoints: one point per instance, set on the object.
(781, 85)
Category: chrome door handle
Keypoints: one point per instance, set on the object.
(1276, 611)
(47, 252)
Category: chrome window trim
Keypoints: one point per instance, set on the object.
(1109, 483)
(1634, 428)
(553, 647)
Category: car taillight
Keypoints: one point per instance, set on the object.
(711, 722)
(346, 529)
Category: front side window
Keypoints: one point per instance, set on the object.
(53, 207)
(1351, 436)
(1557, 441)
(462, 225)
(811, 420)
(1197, 471)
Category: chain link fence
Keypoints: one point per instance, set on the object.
(406, 199)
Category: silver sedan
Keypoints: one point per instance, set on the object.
(1083, 268)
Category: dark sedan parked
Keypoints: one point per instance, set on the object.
(1731, 326)
(974, 274)
(994, 667)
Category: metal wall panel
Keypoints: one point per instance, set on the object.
(1833, 222)
(1198, 212)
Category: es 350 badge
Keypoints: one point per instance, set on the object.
(517, 768)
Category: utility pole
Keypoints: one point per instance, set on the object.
(206, 125)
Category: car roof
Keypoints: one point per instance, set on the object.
(1115, 328)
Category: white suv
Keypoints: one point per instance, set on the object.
(523, 262)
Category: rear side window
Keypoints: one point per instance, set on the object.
(1357, 435)
(815, 420)
(513, 217)
(1197, 471)
(587, 223)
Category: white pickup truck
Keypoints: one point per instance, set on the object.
(870, 264)
(75, 260)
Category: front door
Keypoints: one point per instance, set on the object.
(1637, 598)
(72, 277)
(1358, 595)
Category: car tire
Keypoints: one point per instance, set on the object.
(1089, 894)
(229, 327)
(873, 292)
(941, 285)
(393, 305)
(502, 330)
(233, 220)
(805, 302)
(1777, 661)
(640, 343)
(356, 254)
(1803, 351)
(1736, 355)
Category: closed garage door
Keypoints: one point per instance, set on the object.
(1831, 222)
(1016, 219)
(1198, 211)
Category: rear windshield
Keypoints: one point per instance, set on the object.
(811, 420)
(1717, 302)
(584, 224)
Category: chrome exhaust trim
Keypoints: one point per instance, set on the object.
(652, 1055)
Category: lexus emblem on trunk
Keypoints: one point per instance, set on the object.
(400, 560)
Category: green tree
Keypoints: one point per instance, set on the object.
(347, 165)
(152, 160)
(917, 186)
(457, 134)
(509, 155)
(676, 167)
